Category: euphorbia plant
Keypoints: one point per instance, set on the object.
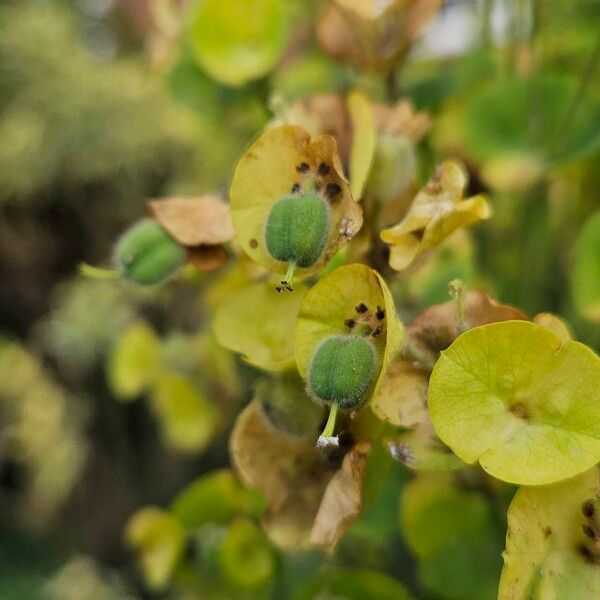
(329, 219)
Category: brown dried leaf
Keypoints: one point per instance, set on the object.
(435, 328)
(373, 33)
(401, 119)
(207, 258)
(343, 498)
(555, 324)
(264, 457)
(203, 221)
(401, 398)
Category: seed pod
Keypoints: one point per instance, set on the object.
(341, 371)
(147, 254)
(297, 229)
(394, 167)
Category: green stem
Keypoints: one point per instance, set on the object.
(289, 276)
(92, 272)
(330, 425)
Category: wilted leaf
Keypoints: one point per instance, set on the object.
(134, 363)
(158, 541)
(268, 171)
(363, 141)
(207, 258)
(187, 419)
(264, 457)
(317, 114)
(438, 210)
(241, 43)
(402, 396)
(547, 554)
(435, 328)
(298, 482)
(333, 300)
(258, 323)
(343, 499)
(513, 397)
(372, 33)
(194, 221)
(585, 281)
(215, 498)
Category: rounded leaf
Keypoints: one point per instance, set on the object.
(257, 322)
(519, 401)
(348, 293)
(158, 540)
(241, 43)
(135, 361)
(548, 554)
(282, 159)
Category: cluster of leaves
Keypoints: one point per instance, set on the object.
(472, 397)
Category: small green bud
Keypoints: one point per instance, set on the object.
(394, 167)
(341, 371)
(147, 254)
(297, 229)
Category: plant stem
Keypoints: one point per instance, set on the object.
(330, 425)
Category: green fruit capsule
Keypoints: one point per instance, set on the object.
(297, 229)
(147, 254)
(341, 371)
(394, 167)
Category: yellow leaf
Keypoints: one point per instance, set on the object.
(268, 171)
(135, 362)
(514, 397)
(188, 420)
(333, 300)
(438, 210)
(548, 556)
(258, 322)
(363, 141)
(158, 540)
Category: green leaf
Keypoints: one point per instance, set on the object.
(512, 396)
(187, 419)
(158, 540)
(529, 116)
(241, 43)
(247, 559)
(354, 584)
(547, 556)
(215, 498)
(585, 282)
(134, 363)
(455, 537)
(257, 322)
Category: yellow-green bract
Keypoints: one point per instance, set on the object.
(341, 371)
(515, 397)
(297, 229)
(147, 254)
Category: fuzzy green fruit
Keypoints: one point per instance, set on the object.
(394, 167)
(297, 229)
(147, 254)
(341, 371)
